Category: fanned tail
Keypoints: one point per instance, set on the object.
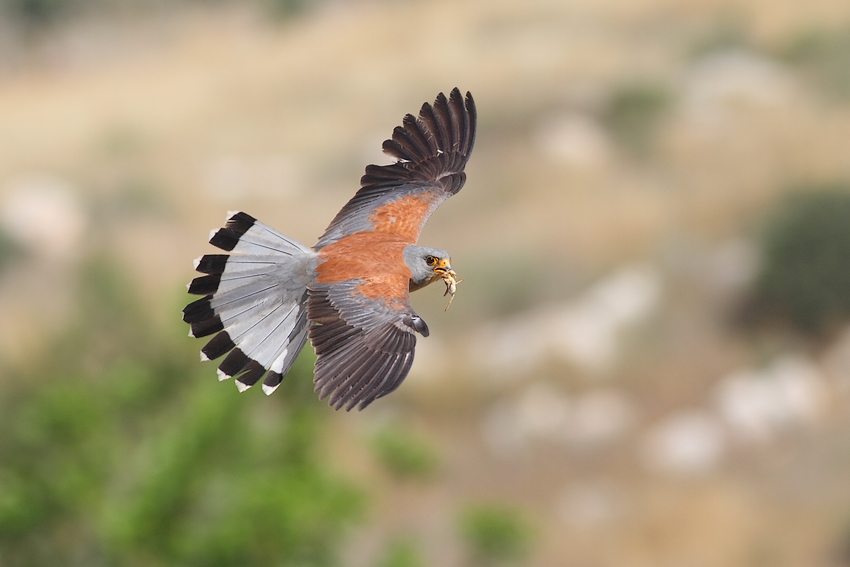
(254, 301)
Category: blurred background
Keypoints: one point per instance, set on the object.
(648, 361)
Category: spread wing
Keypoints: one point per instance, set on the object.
(364, 346)
(432, 151)
(361, 323)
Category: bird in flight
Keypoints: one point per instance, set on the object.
(350, 293)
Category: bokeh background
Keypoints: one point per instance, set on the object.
(648, 363)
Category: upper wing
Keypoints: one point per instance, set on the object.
(364, 347)
(432, 151)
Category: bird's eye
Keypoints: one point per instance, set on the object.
(430, 260)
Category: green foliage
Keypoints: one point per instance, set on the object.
(823, 56)
(286, 8)
(634, 114)
(43, 13)
(404, 453)
(841, 547)
(9, 250)
(119, 448)
(495, 534)
(38, 11)
(402, 552)
(806, 271)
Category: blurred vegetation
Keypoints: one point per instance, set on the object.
(131, 198)
(634, 114)
(402, 552)
(287, 7)
(37, 13)
(119, 448)
(806, 275)
(405, 453)
(9, 250)
(495, 534)
(728, 33)
(825, 57)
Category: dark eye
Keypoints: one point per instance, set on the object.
(430, 260)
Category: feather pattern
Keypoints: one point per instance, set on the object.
(364, 350)
(432, 150)
(254, 301)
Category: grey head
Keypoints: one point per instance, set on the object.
(427, 265)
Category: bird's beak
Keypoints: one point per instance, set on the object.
(444, 268)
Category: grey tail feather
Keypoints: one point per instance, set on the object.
(254, 302)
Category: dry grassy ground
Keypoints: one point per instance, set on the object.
(160, 126)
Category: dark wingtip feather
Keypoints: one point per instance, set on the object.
(472, 121)
(432, 148)
(395, 381)
(393, 149)
(435, 146)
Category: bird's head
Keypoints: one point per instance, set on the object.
(427, 265)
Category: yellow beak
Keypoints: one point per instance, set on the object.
(444, 267)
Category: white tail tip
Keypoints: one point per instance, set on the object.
(221, 375)
(241, 387)
(269, 389)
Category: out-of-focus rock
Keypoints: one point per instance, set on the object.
(687, 443)
(500, 435)
(585, 332)
(539, 412)
(573, 139)
(737, 75)
(542, 413)
(759, 405)
(507, 350)
(43, 214)
(591, 505)
(732, 266)
(598, 417)
(720, 82)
